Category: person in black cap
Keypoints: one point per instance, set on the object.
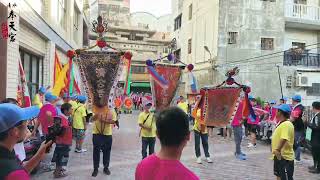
(13, 129)
(314, 125)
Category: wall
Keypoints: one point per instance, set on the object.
(304, 36)
(252, 20)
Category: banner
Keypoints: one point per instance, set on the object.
(100, 72)
(164, 96)
(219, 105)
(23, 96)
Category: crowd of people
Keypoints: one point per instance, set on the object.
(58, 121)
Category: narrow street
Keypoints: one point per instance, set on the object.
(126, 154)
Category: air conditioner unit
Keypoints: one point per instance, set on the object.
(303, 81)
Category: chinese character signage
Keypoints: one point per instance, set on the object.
(8, 28)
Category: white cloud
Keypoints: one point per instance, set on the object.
(156, 7)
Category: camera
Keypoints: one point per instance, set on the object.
(54, 130)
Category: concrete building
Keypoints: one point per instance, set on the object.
(139, 33)
(256, 37)
(43, 27)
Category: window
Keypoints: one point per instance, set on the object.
(138, 69)
(177, 22)
(267, 44)
(232, 37)
(300, 2)
(189, 46)
(165, 50)
(177, 54)
(314, 90)
(76, 17)
(33, 68)
(298, 45)
(62, 13)
(190, 12)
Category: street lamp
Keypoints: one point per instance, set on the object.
(211, 61)
(207, 49)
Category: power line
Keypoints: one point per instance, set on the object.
(243, 62)
(278, 52)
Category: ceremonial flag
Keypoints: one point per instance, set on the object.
(23, 96)
(60, 82)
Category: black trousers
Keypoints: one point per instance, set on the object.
(205, 145)
(148, 141)
(316, 156)
(101, 143)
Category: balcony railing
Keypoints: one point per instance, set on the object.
(303, 59)
(301, 11)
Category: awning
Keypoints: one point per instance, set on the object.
(140, 84)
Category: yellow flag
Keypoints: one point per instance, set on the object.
(60, 81)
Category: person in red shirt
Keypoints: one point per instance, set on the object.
(173, 132)
(64, 141)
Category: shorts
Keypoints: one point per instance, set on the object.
(79, 134)
(252, 128)
(61, 155)
(283, 169)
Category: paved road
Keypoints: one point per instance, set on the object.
(126, 154)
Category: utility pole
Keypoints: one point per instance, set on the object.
(280, 81)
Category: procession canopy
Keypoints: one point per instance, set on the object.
(163, 95)
(100, 72)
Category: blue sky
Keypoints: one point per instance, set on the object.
(156, 7)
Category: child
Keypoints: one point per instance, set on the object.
(63, 142)
(173, 132)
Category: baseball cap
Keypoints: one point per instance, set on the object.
(251, 97)
(42, 90)
(273, 102)
(74, 96)
(11, 114)
(284, 107)
(296, 98)
(50, 97)
(82, 98)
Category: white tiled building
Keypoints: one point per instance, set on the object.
(43, 27)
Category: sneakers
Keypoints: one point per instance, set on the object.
(250, 145)
(106, 171)
(48, 167)
(209, 160)
(199, 160)
(60, 174)
(94, 173)
(314, 171)
(311, 167)
(80, 150)
(297, 162)
(241, 157)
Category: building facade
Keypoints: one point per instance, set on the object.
(257, 37)
(139, 33)
(43, 28)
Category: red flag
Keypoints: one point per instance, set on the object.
(23, 90)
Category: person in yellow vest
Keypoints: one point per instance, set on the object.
(73, 102)
(79, 123)
(102, 140)
(148, 130)
(282, 144)
(38, 98)
(183, 104)
(200, 131)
